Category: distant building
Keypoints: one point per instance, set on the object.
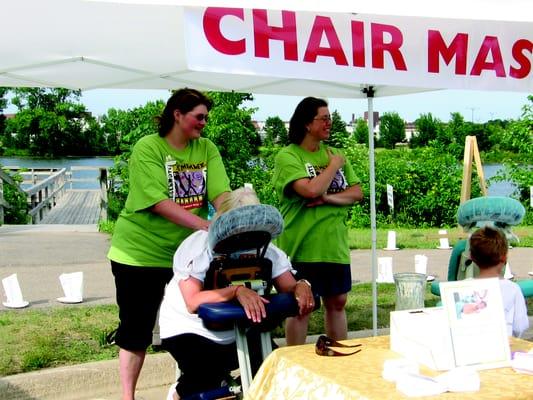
(410, 130)
(376, 117)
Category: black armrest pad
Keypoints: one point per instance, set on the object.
(223, 316)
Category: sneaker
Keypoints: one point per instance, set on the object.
(171, 391)
(110, 337)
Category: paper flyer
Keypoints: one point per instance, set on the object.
(476, 318)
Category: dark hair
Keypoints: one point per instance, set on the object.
(303, 114)
(488, 246)
(183, 100)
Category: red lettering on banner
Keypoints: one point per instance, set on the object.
(384, 38)
(458, 48)
(323, 26)
(379, 47)
(490, 45)
(523, 60)
(211, 25)
(358, 44)
(263, 33)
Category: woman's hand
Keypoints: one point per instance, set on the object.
(202, 225)
(253, 304)
(304, 297)
(335, 160)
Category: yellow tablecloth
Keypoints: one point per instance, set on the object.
(298, 373)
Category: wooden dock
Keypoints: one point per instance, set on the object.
(51, 202)
(75, 207)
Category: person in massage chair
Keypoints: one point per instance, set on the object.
(206, 357)
(488, 249)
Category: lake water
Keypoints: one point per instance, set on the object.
(67, 162)
(503, 188)
(490, 170)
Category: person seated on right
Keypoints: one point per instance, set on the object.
(488, 249)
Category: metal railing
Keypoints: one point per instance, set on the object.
(44, 194)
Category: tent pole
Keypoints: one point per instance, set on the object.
(369, 91)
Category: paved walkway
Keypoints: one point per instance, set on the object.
(40, 253)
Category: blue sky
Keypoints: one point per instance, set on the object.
(477, 105)
(473, 105)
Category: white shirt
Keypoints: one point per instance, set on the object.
(515, 309)
(192, 259)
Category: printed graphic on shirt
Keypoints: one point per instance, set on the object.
(187, 184)
(338, 184)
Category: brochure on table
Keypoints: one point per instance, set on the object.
(476, 318)
(469, 330)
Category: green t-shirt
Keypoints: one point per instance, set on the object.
(191, 177)
(311, 234)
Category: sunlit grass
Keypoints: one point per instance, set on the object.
(50, 337)
(424, 238)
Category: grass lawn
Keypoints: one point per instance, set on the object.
(49, 337)
(424, 238)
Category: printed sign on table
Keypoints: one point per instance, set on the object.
(476, 318)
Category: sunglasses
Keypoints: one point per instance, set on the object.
(201, 117)
(325, 118)
(324, 344)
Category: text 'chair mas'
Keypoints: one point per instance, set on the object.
(501, 212)
(239, 240)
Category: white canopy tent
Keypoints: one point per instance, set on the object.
(325, 48)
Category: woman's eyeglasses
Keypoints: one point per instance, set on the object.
(325, 118)
(201, 117)
(324, 344)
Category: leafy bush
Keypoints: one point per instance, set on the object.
(17, 213)
(426, 186)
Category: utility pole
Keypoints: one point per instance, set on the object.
(472, 109)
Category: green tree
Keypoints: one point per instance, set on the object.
(231, 129)
(17, 213)
(391, 129)
(427, 130)
(451, 138)
(275, 130)
(361, 131)
(518, 137)
(338, 133)
(3, 104)
(52, 122)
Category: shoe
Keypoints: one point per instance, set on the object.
(171, 391)
(110, 337)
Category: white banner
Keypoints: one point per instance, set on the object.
(361, 48)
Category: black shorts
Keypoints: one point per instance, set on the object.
(140, 291)
(327, 279)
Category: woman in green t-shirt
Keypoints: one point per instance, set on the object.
(173, 175)
(316, 186)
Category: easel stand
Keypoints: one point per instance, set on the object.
(471, 153)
